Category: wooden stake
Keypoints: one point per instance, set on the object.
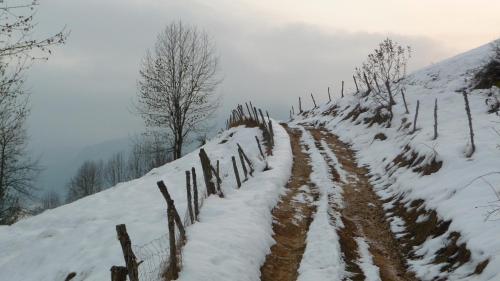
(404, 101)
(342, 92)
(314, 102)
(173, 269)
(250, 165)
(170, 203)
(189, 201)
(329, 96)
(416, 116)
(260, 148)
(118, 273)
(207, 173)
(300, 106)
(236, 174)
(195, 194)
(435, 119)
(128, 254)
(471, 131)
(355, 83)
(245, 172)
(293, 110)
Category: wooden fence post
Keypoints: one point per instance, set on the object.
(207, 173)
(404, 101)
(195, 194)
(128, 254)
(416, 116)
(300, 106)
(342, 92)
(260, 148)
(245, 172)
(118, 273)
(170, 202)
(435, 119)
(218, 179)
(237, 175)
(189, 201)
(471, 131)
(329, 96)
(355, 83)
(314, 102)
(293, 110)
(173, 269)
(250, 165)
(263, 120)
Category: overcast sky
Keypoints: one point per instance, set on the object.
(270, 52)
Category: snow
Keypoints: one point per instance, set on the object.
(454, 192)
(370, 270)
(229, 243)
(322, 259)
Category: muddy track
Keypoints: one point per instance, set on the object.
(292, 218)
(363, 215)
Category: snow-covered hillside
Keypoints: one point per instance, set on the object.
(406, 169)
(233, 232)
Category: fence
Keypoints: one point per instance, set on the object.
(161, 258)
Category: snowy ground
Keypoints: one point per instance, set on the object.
(454, 192)
(233, 233)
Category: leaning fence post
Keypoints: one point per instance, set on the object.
(173, 269)
(207, 173)
(245, 172)
(260, 148)
(189, 201)
(195, 194)
(246, 159)
(170, 202)
(314, 102)
(404, 101)
(355, 83)
(128, 254)
(118, 273)
(237, 175)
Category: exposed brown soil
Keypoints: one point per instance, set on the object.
(292, 218)
(451, 256)
(363, 216)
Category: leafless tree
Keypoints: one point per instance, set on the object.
(17, 170)
(386, 65)
(51, 200)
(177, 83)
(87, 181)
(18, 48)
(115, 170)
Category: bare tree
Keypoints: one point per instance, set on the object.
(115, 170)
(17, 170)
(177, 83)
(18, 48)
(386, 65)
(51, 200)
(87, 181)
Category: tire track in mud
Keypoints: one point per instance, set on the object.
(362, 215)
(292, 217)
